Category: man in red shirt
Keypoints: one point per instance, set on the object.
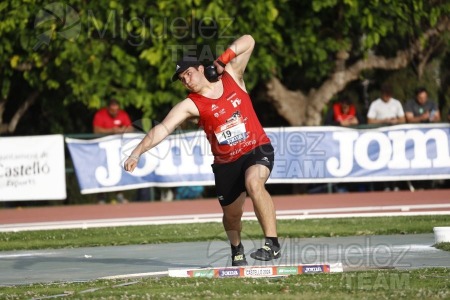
(344, 112)
(243, 154)
(112, 119)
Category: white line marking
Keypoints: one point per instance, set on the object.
(416, 247)
(134, 275)
(26, 255)
(365, 208)
(376, 214)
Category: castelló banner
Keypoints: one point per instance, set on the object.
(302, 155)
(32, 168)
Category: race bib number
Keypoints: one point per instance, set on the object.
(231, 132)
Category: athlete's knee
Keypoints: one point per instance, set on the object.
(254, 187)
(232, 221)
(233, 215)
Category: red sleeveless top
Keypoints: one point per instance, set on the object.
(230, 122)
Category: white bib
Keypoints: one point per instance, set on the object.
(231, 132)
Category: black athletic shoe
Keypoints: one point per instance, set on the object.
(238, 259)
(267, 252)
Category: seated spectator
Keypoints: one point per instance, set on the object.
(386, 110)
(389, 111)
(344, 113)
(421, 109)
(112, 119)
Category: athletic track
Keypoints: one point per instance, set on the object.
(188, 211)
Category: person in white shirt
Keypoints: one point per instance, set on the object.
(386, 110)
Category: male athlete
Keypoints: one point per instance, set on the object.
(243, 155)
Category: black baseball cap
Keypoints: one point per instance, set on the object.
(184, 64)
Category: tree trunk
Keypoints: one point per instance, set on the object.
(11, 126)
(2, 110)
(290, 104)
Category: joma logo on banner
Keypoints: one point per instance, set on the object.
(354, 147)
(174, 156)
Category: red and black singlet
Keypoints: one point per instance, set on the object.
(230, 122)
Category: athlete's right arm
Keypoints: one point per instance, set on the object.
(178, 114)
(235, 58)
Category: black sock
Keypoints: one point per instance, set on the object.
(273, 240)
(238, 248)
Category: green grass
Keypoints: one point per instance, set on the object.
(380, 284)
(443, 246)
(374, 284)
(213, 231)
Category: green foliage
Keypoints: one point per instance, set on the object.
(405, 81)
(84, 51)
(315, 31)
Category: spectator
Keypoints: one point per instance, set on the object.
(421, 109)
(389, 111)
(386, 110)
(110, 120)
(343, 113)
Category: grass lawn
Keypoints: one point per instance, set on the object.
(433, 283)
(381, 284)
(214, 231)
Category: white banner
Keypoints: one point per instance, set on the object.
(32, 168)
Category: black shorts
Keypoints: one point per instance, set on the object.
(230, 177)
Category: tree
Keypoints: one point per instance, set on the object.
(61, 54)
(75, 53)
(343, 39)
